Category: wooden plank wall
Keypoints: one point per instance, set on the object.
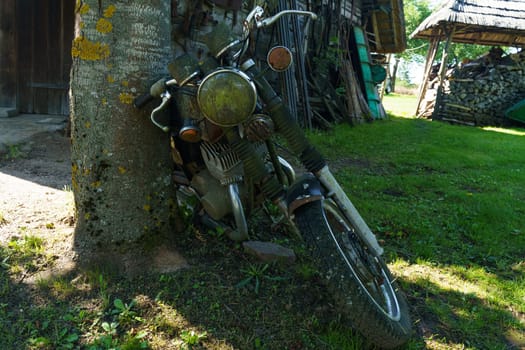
(353, 9)
(7, 54)
(45, 31)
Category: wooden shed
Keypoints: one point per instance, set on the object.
(35, 60)
(482, 22)
(364, 30)
(385, 26)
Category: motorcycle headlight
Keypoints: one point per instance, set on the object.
(227, 97)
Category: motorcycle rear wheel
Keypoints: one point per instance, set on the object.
(361, 282)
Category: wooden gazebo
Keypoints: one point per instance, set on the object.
(482, 22)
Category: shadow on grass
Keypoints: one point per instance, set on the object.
(204, 306)
(453, 319)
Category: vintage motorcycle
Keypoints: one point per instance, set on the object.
(225, 115)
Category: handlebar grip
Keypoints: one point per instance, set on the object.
(156, 90)
(143, 100)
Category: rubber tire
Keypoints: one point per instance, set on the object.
(365, 315)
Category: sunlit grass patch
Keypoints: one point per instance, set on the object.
(447, 201)
(468, 305)
(400, 105)
(26, 255)
(505, 131)
(60, 287)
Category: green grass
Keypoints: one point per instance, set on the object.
(14, 152)
(400, 104)
(448, 202)
(445, 201)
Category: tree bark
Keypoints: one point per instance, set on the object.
(394, 75)
(121, 172)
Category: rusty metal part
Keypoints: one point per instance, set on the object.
(259, 127)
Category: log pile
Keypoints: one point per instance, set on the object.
(478, 92)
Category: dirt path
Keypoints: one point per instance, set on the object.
(36, 200)
(35, 193)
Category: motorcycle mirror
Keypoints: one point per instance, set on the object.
(279, 58)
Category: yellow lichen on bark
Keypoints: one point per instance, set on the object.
(104, 26)
(96, 184)
(126, 98)
(74, 174)
(81, 7)
(88, 50)
(108, 13)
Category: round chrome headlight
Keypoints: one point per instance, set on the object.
(227, 97)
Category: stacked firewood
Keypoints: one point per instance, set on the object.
(479, 92)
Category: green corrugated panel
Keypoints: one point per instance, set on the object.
(371, 93)
(517, 112)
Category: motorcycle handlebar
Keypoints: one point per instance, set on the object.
(270, 20)
(256, 20)
(143, 100)
(156, 90)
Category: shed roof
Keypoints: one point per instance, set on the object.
(483, 22)
(387, 23)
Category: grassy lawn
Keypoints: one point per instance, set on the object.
(447, 202)
(401, 105)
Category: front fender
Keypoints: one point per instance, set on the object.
(305, 189)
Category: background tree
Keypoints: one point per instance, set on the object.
(415, 12)
(120, 162)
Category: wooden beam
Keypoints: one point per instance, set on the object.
(431, 55)
(443, 70)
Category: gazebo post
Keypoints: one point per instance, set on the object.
(442, 71)
(431, 55)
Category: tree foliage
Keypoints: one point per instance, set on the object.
(415, 12)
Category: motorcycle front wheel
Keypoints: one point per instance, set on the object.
(360, 281)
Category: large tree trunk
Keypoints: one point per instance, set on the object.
(120, 161)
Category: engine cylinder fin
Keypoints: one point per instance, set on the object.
(222, 162)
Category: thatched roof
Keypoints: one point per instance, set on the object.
(484, 22)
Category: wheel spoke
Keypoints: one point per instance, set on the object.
(367, 269)
(358, 278)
